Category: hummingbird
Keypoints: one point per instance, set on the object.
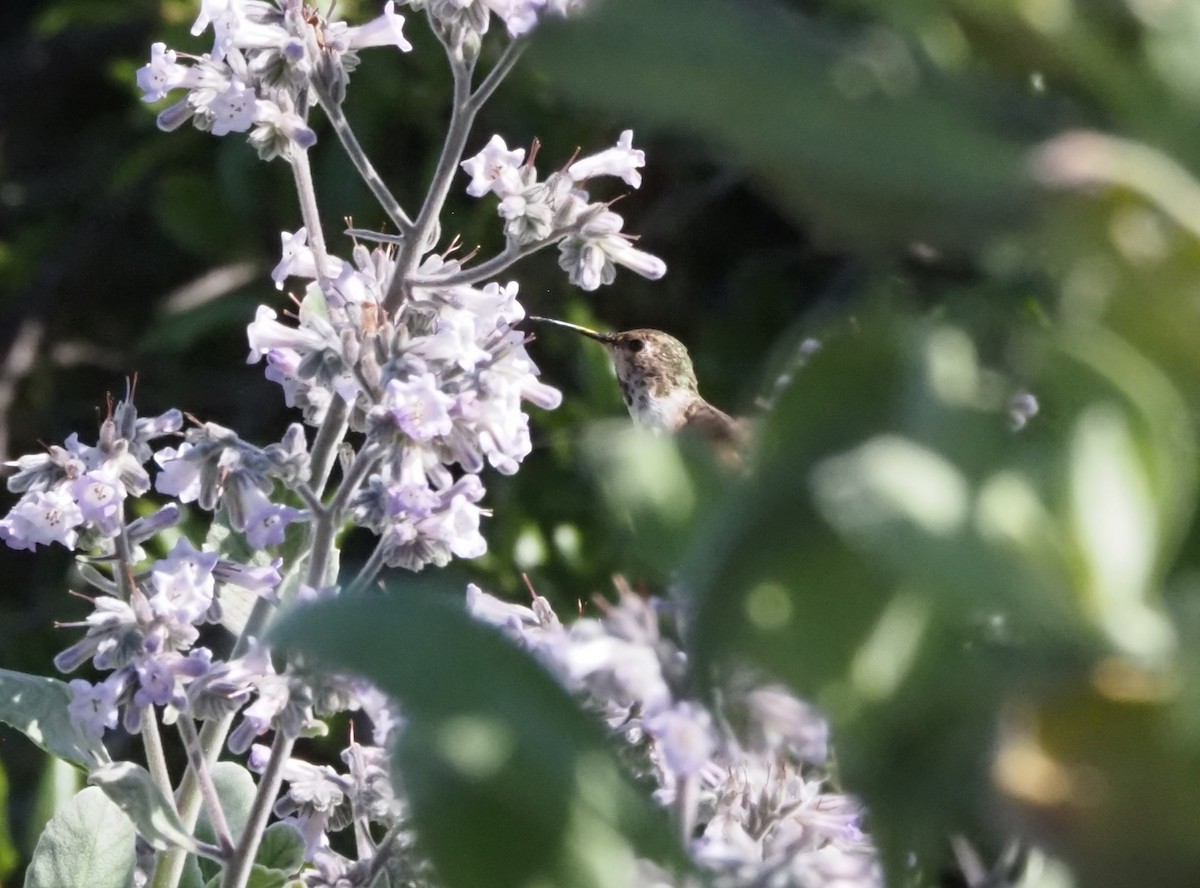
(658, 385)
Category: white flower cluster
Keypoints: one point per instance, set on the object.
(438, 385)
(266, 55)
(464, 22)
(591, 243)
(757, 799)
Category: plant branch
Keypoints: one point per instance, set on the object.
(208, 790)
(489, 269)
(238, 871)
(462, 116)
(329, 436)
(156, 761)
(212, 737)
(359, 158)
(374, 564)
(504, 65)
(307, 195)
(382, 854)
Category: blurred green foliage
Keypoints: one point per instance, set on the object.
(511, 782)
(1003, 626)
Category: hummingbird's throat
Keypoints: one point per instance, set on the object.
(665, 412)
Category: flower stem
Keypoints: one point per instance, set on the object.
(507, 61)
(307, 195)
(325, 444)
(208, 790)
(362, 163)
(489, 269)
(156, 762)
(238, 871)
(462, 116)
(212, 737)
(368, 572)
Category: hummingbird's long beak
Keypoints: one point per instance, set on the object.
(606, 338)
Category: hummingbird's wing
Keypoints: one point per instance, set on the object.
(728, 436)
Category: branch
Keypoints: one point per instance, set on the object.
(504, 65)
(208, 790)
(489, 269)
(238, 871)
(359, 158)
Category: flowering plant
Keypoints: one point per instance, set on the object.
(406, 365)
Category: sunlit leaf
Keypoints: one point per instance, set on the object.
(88, 844)
(37, 707)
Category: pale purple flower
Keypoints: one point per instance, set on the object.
(93, 707)
(101, 498)
(183, 583)
(272, 699)
(265, 522)
(458, 526)
(209, 10)
(114, 636)
(783, 721)
(386, 30)
(454, 339)
(502, 614)
(622, 252)
(232, 109)
(628, 673)
(161, 75)
(621, 161)
(266, 334)
(179, 477)
(591, 264)
(284, 122)
(494, 169)
(141, 529)
(42, 471)
(156, 683)
(42, 517)
(685, 737)
(417, 406)
(262, 579)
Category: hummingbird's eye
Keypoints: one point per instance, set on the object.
(636, 345)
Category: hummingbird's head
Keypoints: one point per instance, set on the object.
(651, 360)
(653, 368)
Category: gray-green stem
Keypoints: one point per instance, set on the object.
(325, 444)
(462, 116)
(362, 163)
(489, 269)
(208, 790)
(238, 871)
(156, 762)
(306, 194)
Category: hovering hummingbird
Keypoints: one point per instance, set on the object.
(658, 384)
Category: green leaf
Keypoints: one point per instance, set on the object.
(509, 781)
(135, 792)
(60, 781)
(88, 844)
(192, 877)
(236, 602)
(853, 150)
(876, 562)
(282, 848)
(37, 707)
(260, 877)
(8, 851)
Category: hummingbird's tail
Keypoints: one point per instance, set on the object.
(606, 338)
